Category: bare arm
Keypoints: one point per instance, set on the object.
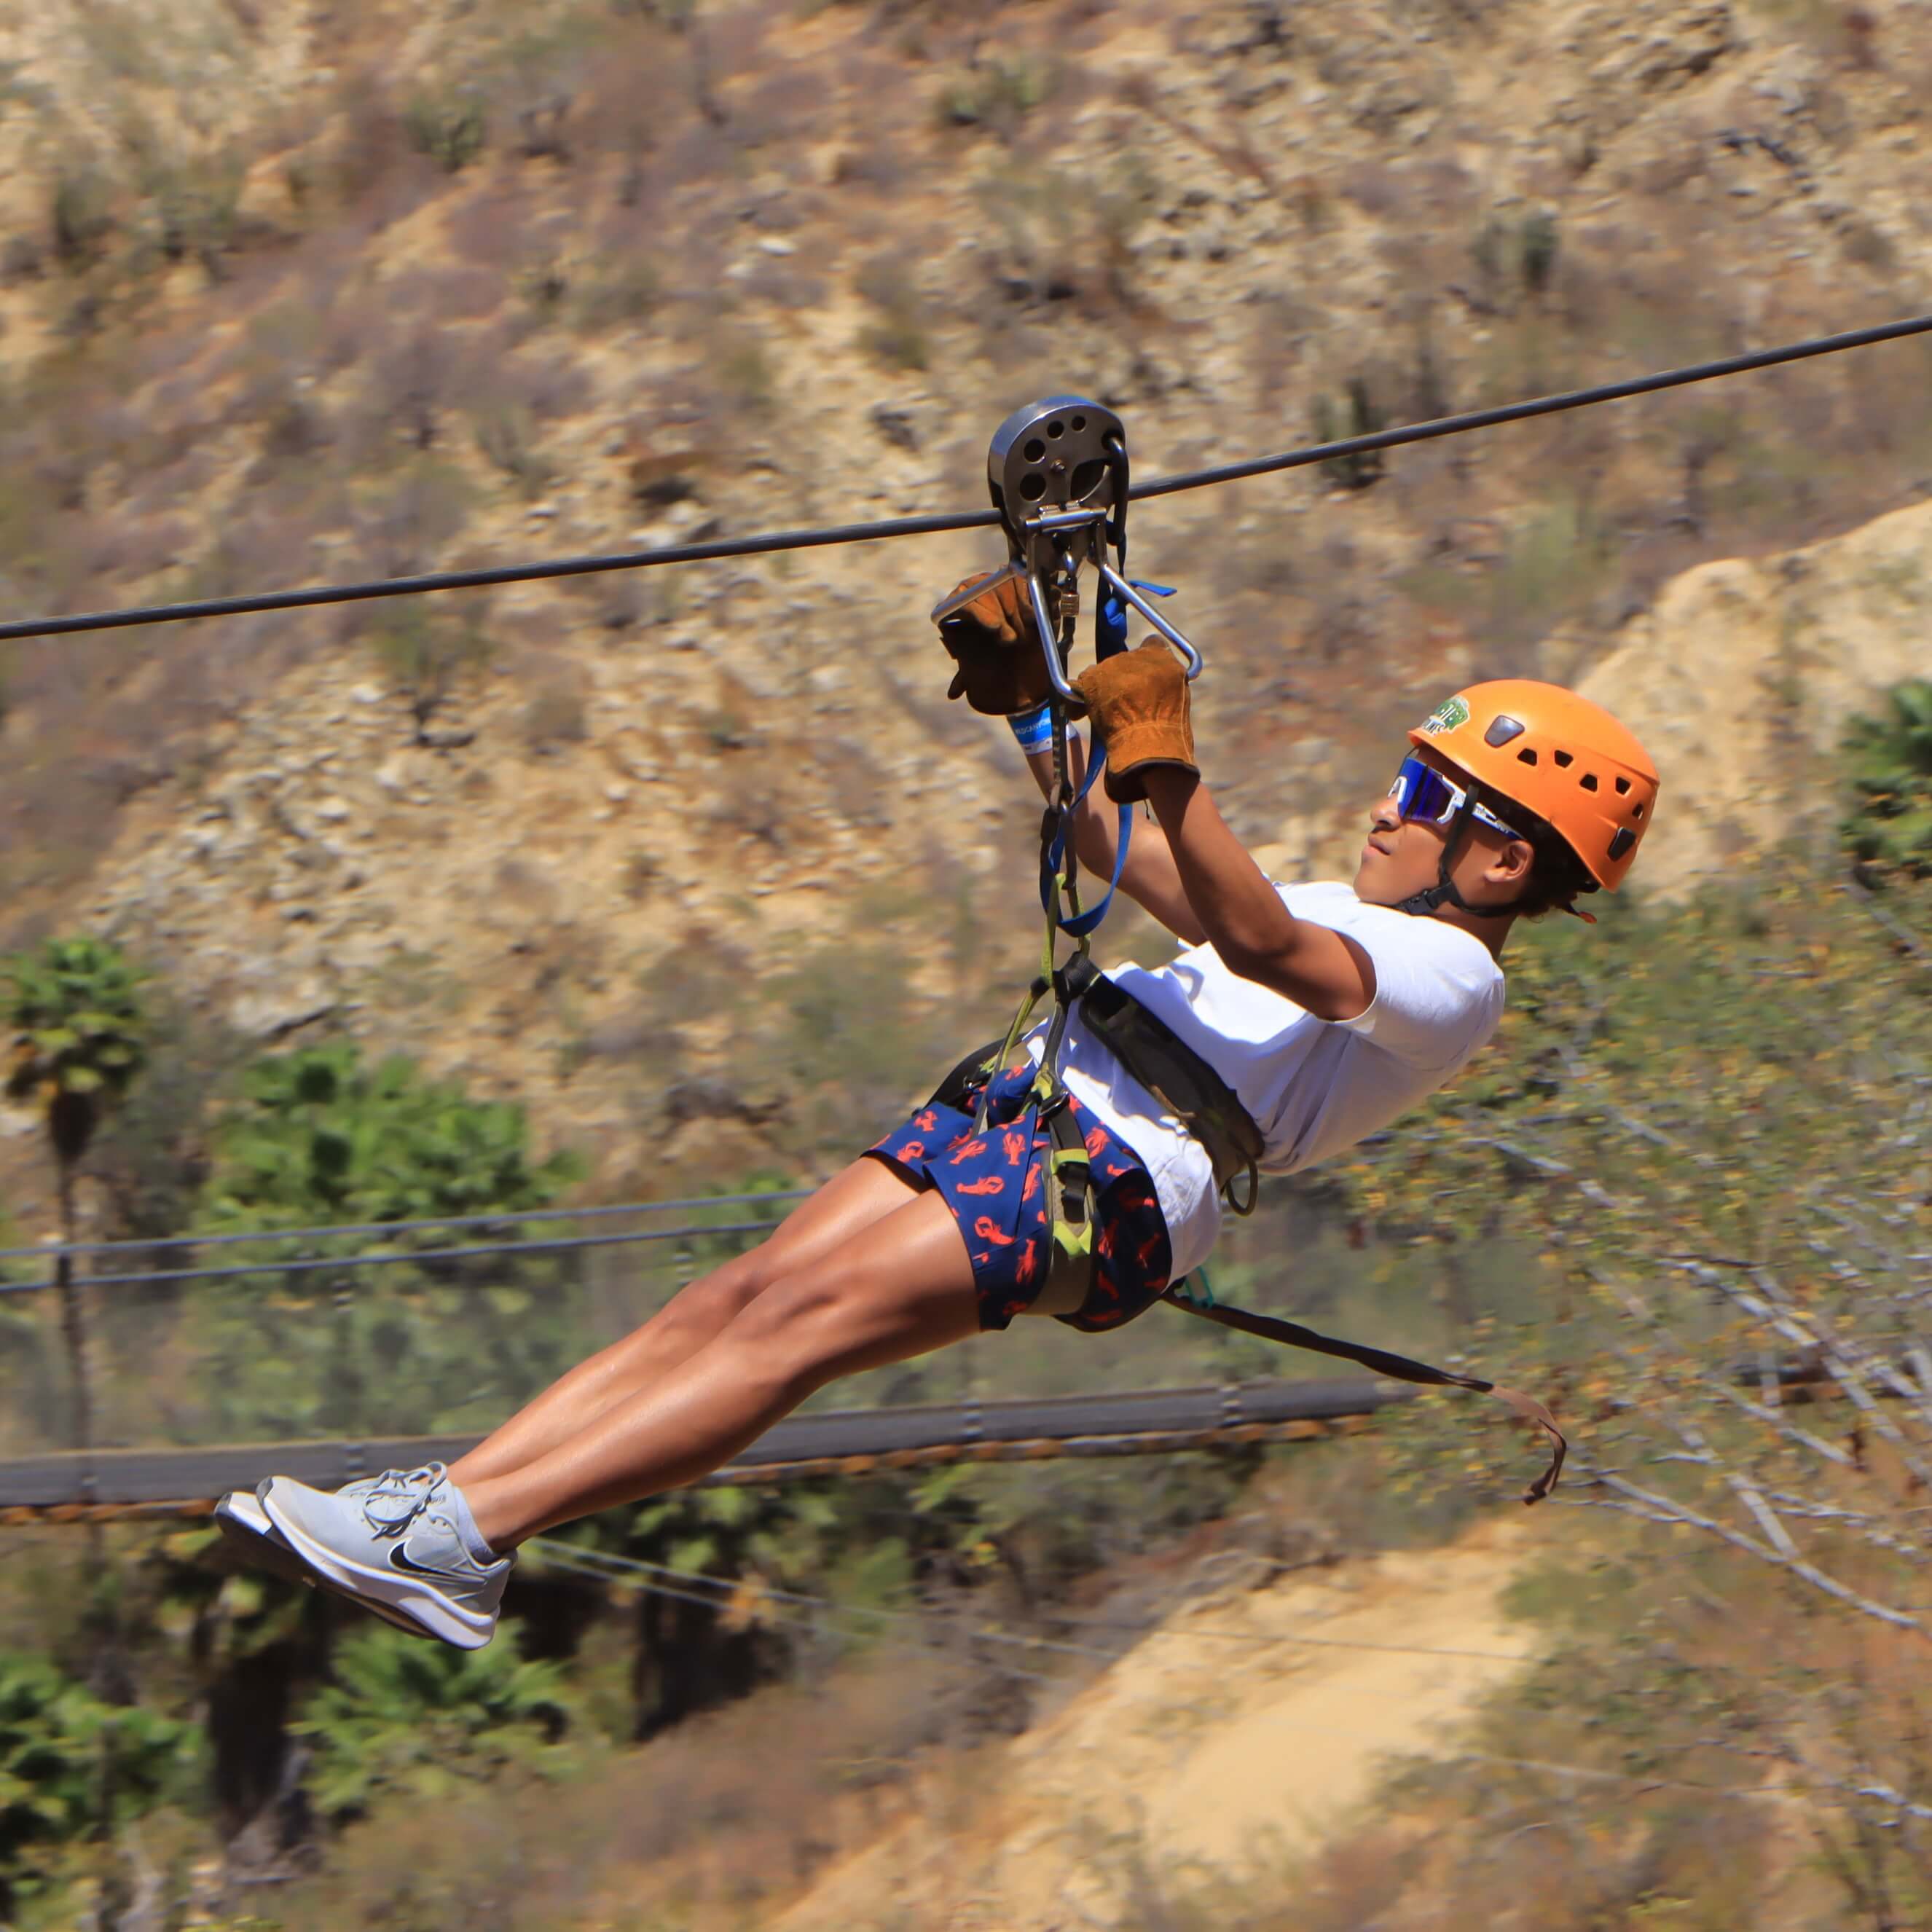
(1256, 935)
(1151, 877)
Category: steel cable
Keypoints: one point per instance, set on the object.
(968, 519)
(53, 1250)
(310, 1264)
(635, 1569)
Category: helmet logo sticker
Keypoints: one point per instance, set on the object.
(1446, 717)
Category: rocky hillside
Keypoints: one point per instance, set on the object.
(291, 292)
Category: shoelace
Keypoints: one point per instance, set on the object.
(398, 1496)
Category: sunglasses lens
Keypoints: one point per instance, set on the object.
(1420, 791)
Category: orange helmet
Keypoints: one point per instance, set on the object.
(1557, 755)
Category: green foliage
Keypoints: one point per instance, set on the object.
(80, 214)
(197, 209)
(627, 290)
(995, 94)
(72, 1767)
(898, 338)
(1888, 765)
(506, 437)
(407, 1721)
(317, 1137)
(79, 1032)
(1364, 417)
(1538, 240)
(428, 652)
(320, 1137)
(450, 128)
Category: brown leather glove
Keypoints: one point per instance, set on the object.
(995, 642)
(1138, 700)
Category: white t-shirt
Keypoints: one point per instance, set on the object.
(1312, 1086)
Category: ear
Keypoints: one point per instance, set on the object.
(1512, 865)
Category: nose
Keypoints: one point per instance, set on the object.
(1385, 815)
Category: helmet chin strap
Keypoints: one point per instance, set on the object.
(1444, 891)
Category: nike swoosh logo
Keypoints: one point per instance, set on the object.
(399, 1558)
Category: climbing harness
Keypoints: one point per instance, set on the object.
(1169, 1068)
(1058, 473)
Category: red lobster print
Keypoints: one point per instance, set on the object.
(989, 1183)
(987, 1229)
(926, 1121)
(1013, 1145)
(1097, 1142)
(970, 1149)
(1024, 1266)
(912, 1150)
(1032, 1186)
(1146, 1252)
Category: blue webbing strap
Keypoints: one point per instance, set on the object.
(1088, 922)
(1110, 636)
(1110, 617)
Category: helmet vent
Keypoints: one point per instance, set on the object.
(1564, 759)
(1527, 757)
(1502, 729)
(1636, 810)
(1621, 841)
(1588, 781)
(1623, 785)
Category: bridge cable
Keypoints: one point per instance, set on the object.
(910, 526)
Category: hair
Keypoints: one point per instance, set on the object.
(1557, 877)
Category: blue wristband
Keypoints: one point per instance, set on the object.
(1033, 730)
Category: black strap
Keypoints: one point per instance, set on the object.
(1180, 1078)
(1400, 1368)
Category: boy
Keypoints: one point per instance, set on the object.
(1315, 1013)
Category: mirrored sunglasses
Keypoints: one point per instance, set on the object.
(1420, 791)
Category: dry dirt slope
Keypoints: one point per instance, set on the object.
(1214, 1747)
(1259, 210)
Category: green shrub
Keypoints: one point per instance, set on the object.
(626, 290)
(995, 94)
(318, 1137)
(505, 433)
(450, 128)
(1888, 761)
(80, 214)
(1538, 243)
(427, 653)
(72, 1767)
(898, 337)
(405, 1720)
(1364, 416)
(196, 211)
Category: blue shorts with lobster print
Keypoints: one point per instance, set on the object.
(995, 1184)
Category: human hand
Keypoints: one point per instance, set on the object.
(1139, 703)
(995, 642)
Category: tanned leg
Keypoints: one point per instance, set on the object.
(861, 1194)
(901, 1287)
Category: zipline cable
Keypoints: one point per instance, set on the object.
(633, 1569)
(53, 1250)
(405, 1257)
(969, 519)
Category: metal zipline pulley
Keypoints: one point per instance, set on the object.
(1057, 471)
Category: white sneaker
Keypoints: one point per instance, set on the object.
(397, 1544)
(245, 1524)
